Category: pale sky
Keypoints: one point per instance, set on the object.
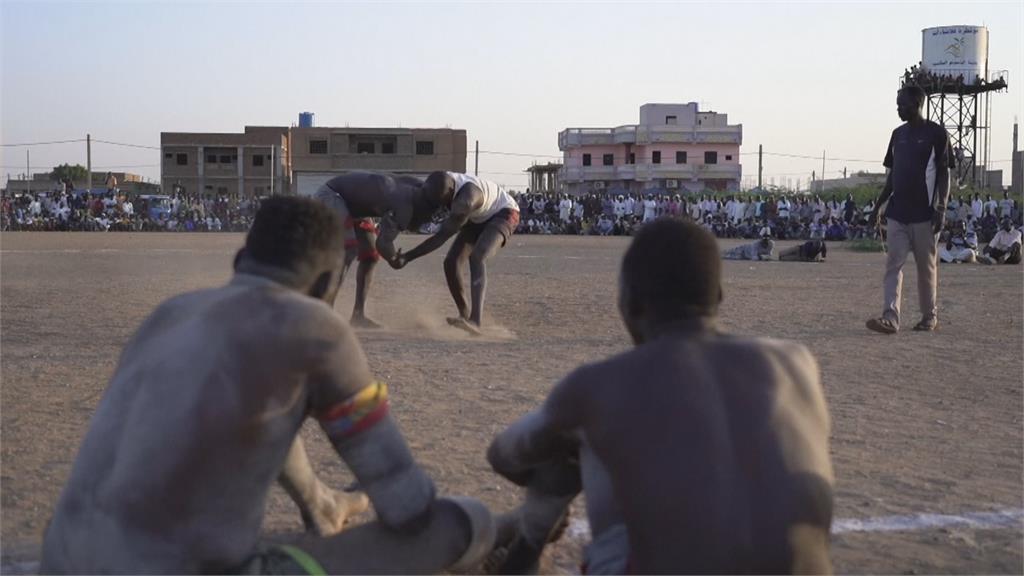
(802, 77)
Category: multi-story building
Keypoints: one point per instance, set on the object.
(255, 162)
(318, 154)
(267, 160)
(675, 147)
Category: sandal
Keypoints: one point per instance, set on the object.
(883, 325)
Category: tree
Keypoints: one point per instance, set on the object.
(68, 172)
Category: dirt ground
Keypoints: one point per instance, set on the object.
(921, 422)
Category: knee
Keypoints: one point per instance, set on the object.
(477, 261)
(451, 263)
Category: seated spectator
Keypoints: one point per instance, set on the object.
(961, 246)
(688, 463)
(836, 230)
(817, 230)
(1005, 247)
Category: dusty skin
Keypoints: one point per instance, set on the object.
(921, 422)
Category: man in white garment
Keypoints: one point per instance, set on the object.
(564, 208)
(650, 209)
(977, 207)
(484, 216)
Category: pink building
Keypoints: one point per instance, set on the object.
(674, 148)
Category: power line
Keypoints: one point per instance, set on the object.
(42, 143)
(126, 145)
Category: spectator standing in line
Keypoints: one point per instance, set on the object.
(1006, 206)
(977, 207)
(990, 206)
(650, 209)
(565, 208)
(630, 204)
(849, 209)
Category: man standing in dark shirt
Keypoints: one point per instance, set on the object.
(917, 187)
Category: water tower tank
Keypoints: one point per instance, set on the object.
(956, 50)
(305, 119)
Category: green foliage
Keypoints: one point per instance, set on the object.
(76, 173)
(865, 245)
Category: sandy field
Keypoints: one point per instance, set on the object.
(922, 423)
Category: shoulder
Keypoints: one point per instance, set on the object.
(937, 131)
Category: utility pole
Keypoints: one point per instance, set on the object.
(844, 172)
(272, 155)
(760, 164)
(822, 171)
(88, 163)
(476, 161)
(28, 173)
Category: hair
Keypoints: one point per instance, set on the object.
(673, 270)
(292, 233)
(916, 93)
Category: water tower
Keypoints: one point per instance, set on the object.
(955, 75)
(305, 119)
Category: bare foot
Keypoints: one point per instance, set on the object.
(463, 324)
(334, 511)
(363, 322)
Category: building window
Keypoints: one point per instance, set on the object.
(728, 157)
(586, 159)
(656, 157)
(711, 157)
(608, 159)
(222, 189)
(208, 187)
(211, 158)
(632, 157)
(225, 159)
(318, 146)
(257, 160)
(365, 148)
(671, 120)
(681, 157)
(424, 148)
(168, 156)
(387, 147)
(182, 159)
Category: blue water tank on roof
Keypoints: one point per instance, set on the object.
(305, 119)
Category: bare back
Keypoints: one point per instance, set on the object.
(192, 431)
(375, 195)
(715, 449)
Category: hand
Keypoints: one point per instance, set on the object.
(873, 218)
(938, 220)
(399, 261)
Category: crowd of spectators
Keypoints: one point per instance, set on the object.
(112, 211)
(934, 83)
(736, 216)
(788, 217)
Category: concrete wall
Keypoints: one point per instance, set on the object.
(449, 150)
(654, 114)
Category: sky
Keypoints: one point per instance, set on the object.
(801, 77)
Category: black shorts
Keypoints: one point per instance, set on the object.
(504, 222)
